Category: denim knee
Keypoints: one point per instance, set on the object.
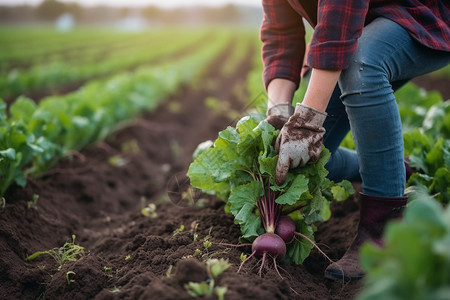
(368, 78)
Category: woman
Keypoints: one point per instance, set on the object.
(361, 51)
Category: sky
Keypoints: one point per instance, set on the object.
(164, 3)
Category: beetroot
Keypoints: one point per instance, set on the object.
(269, 243)
(285, 229)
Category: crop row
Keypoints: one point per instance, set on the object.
(35, 136)
(22, 46)
(60, 73)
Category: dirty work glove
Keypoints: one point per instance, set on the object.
(300, 140)
(279, 114)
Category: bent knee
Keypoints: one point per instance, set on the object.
(363, 81)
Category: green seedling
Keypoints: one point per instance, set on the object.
(243, 256)
(148, 210)
(220, 292)
(198, 289)
(194, 227)
(178, 230)
(197, 253)
(115, 290)
(33, 203)
(128, 257)
(195, 236)
(117, 161)
(69, 281)
(214, 267)
(107, 269)
(169, 271)
(131, 147)
(68, 252)
(214, 104)
(206, 242)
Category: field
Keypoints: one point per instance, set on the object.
(106, 124)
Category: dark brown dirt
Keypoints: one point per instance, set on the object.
(130, 256)
(434, 83)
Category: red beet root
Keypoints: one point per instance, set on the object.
(271, 244)
(286, 229)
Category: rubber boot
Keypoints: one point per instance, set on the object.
(374, 214)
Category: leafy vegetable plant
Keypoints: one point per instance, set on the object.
(428, 148)
(415, 262)
(239, 166)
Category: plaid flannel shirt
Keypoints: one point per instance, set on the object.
(337, 26)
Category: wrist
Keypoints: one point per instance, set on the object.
(316, 105)
(310, 115)
(280, 91)
(283, 109)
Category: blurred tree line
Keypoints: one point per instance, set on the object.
(50, 10)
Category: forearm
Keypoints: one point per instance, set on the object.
(283, 42)
(320, 88)
(280, 91)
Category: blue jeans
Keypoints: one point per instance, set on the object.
(386, 58)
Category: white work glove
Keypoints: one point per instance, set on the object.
(300, 140)
(279, 114)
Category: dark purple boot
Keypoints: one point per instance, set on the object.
(374, 214)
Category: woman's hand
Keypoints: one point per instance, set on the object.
(300, 140)
(279, 114)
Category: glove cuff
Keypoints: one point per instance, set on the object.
(283, 110)
(310, 115)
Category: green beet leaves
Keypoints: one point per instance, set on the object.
(242, 160)
(415, 261)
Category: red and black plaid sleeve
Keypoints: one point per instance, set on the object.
(428, 21)
(283, 37)
(339, 25)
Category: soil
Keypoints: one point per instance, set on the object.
(434, 82)
(129, 255)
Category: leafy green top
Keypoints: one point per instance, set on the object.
(242, 160)
(415, 261)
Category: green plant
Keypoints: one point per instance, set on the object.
(214, 267)
(242, 162)
(194, 227)
(33, 137)
(428, 148)
(68, 252)
(243, 257)
(178, 230)
(415, 261)
(69, 281)
(207, 243)
(33, 203)
(117, 161)
(148, 210)
(169, 271)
